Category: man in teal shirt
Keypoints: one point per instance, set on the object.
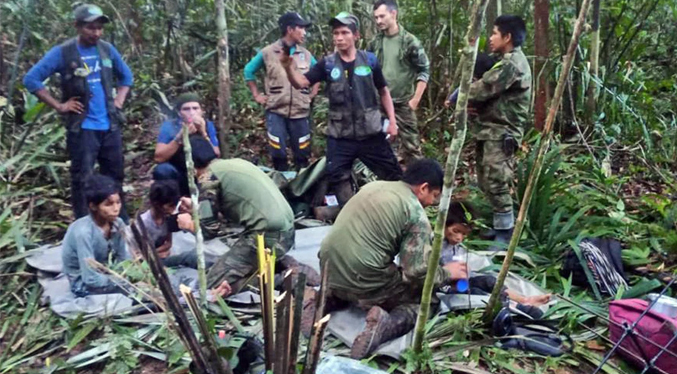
(287, 108)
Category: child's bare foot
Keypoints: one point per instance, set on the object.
(537, 300)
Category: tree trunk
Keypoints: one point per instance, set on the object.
(223, 118)
(494, 9)
(538, 163)
(468, 63)
(594, 65)
(432, 53)
(541, 23)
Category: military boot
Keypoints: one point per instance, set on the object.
(381, 327)
(504, 224)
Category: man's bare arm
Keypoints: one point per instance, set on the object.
(258, 96)
(121, 96)
(72, 105)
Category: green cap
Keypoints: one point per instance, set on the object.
(188, 97)
(89, 13)
(345, 18)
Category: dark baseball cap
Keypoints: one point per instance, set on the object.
(89, 13)
(292, 19)
(344, 18)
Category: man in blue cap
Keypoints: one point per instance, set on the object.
(287, 108)
(92, 111)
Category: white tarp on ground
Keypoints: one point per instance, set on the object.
(345, 324)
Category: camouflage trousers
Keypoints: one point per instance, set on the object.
(407, 145)
(495, 173)
(402, 297)
(241, 262)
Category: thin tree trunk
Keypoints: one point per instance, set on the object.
(223, 118)
(199, 240)
(432, 53)
(538, 163)
(591, 102)
(541, 23)
(468, 63)
(493, 11)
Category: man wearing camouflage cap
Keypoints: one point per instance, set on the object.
(356, 90)
(92, 111)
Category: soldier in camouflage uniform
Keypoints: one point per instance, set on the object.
(504, 94)
(406, 69)
(245, 195)
(383, 220)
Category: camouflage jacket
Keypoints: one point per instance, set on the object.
(504, 94)
(412, 64)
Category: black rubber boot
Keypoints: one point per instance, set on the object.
(501, 240)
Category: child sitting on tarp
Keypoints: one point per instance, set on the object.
(160, 222)
(457, 227)
(97, 236)
(483, 63)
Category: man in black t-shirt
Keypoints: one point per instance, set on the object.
(354, 84)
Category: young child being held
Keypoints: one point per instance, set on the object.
(96, 236)
(457, 227)
(483, 64)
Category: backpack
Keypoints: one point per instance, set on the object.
(530, 335)
(602, 258)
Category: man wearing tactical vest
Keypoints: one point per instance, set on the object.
(354, 131)
(89, 68)
(287, 108)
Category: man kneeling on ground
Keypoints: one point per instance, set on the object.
(246, 196)
(382, 221)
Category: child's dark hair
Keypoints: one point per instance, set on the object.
(513, 25)
(483, 64)
(459, 212)
(425, 170)
(97, 188)
(202, 150)
(164, 192)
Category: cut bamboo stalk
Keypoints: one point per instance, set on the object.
(281, 332)
(320, 304)
(315, 346)
(267, 307)
(221, 366)
(538, 163)
(296, 322)
(158, 271)
(199, 239)
(461, 114)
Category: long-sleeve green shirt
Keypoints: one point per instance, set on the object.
(383, 220)
(404, 63)
(244, 195)
(505, 95)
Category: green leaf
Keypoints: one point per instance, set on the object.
(80, 335)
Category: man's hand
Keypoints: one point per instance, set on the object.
(164, 250)
(447, 103)
(72, 105)
(186, 205)
(413, 103)
(458, 270)
(200, 125)
(285, 58)
(261, 99)
(222, 290)
(392, 129)
(119, 102)
(185, 222)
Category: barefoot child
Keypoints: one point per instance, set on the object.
(458, 226)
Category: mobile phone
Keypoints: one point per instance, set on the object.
(172, 223)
